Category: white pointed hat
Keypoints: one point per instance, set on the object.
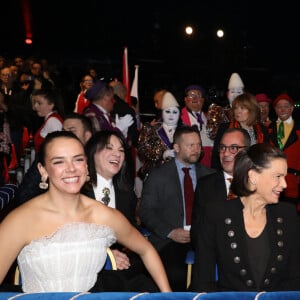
(235, 81)
(168, 101)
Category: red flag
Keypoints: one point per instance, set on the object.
(126, 75)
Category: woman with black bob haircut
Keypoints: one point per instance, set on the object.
(253, 239)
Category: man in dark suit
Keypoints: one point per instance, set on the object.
(162, 209)
(216, 187)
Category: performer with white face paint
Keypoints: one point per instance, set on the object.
(235, 87)
(217, 114)
(155, 144)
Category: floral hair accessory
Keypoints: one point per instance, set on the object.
(106, 198)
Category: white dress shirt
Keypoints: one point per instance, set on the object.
(98, 190)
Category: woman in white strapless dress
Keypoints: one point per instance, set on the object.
(60, 237)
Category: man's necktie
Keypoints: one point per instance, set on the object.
(188, 195)
(280, 135)
(230, 194)
(200, 120)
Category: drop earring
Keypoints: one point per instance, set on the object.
(43, 184)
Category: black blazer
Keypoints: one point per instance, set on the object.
(125, 200)
(210, 188)
(161, 208)
(222, 240)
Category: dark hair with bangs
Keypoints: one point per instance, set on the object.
(97, 143)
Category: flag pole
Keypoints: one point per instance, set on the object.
(134, 93)
(126, 75)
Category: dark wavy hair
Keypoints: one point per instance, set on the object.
(98, 142)
(257, 157)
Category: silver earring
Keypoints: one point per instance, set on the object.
(43, 184)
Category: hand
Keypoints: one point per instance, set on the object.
(123, 123)
(168, 153)
(122, 260)
(153, 122)
(180, 235)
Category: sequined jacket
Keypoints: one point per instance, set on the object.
(222, 241)
(152, 143)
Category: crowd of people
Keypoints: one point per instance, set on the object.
(222, 181)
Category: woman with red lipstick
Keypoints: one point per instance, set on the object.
(253, 239)
(60, 238)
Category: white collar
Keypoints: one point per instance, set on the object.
(167, 127)
(101, 108)
(287, 121)
(101, 181)
(226, 175)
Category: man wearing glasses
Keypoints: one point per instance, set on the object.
(216, 187)
(192, 114)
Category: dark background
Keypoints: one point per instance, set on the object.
(260, 43)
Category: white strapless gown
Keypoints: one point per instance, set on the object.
(66, 261)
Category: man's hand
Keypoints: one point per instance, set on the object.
(180, 235)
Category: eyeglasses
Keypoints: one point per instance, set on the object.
(233, 149)
(193, 96)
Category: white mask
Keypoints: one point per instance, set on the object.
(233, 93)
(170, 116)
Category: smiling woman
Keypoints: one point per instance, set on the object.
(60, 238)
(254, 237)
(106, 151)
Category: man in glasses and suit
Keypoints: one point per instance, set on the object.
(216, 186)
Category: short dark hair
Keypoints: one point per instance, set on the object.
(244, 132)
(86, 122)
(184, 129)
(257, 157)
(52, 136)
